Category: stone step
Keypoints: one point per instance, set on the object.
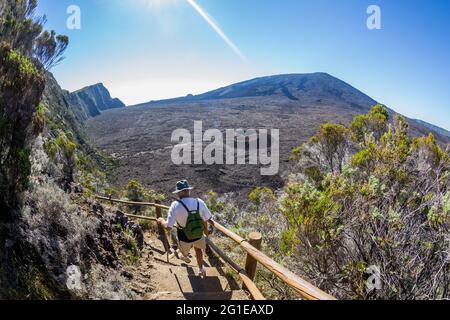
(186, 279)
(202, 296)
(174, 261)
(161, 257)
(178, 280)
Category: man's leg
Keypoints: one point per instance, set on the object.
(199, 247)
(185, 248)
(199, 255)
(174, 238)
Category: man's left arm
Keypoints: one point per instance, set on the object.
(162, 222)
(171, 218)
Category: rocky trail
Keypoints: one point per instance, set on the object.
(158, 276)
(153, 278)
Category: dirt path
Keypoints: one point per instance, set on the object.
(156, 279)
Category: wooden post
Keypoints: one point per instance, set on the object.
(162, 230)
(248, 284)
(255, 240)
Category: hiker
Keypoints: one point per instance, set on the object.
(191, 217)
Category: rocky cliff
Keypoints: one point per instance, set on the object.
(92, 100)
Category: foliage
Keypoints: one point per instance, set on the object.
(23, 30)
(387, 207)
(32, 285)
(26, 50)
(332, 143)
(38, 122)
(67, 151)
(132, 253)
(27, 70)
(375, 123)
(223, 208)
(24, 165)
(19, 91)
(263, 216)
(43, 151)
(259, 195)
(49, 48)
(107, 284)
(56, 232)
(134, 191)
(327, 151)
(63, 150)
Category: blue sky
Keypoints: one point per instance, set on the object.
(151, 49)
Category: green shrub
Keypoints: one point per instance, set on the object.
(51, 148)
(261, 194)
(27, 70)
(388, 207)
(132, 253)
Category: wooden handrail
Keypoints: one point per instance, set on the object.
(249, 284)
(141, 217)
(133, 203)
(304, 288)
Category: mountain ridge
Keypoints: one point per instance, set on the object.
(92, 100)
(139, 137)
(433, 127)
(298, 87)
(294, 86)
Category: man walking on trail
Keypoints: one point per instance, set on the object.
(191, 217)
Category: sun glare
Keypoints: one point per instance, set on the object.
(158, 4)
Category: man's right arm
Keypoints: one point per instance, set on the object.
(204, 210)
(206, 215)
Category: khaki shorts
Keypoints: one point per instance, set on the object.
(185, 248)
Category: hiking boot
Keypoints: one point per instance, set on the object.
(202, 273)
(185, 259)
(180, 256)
